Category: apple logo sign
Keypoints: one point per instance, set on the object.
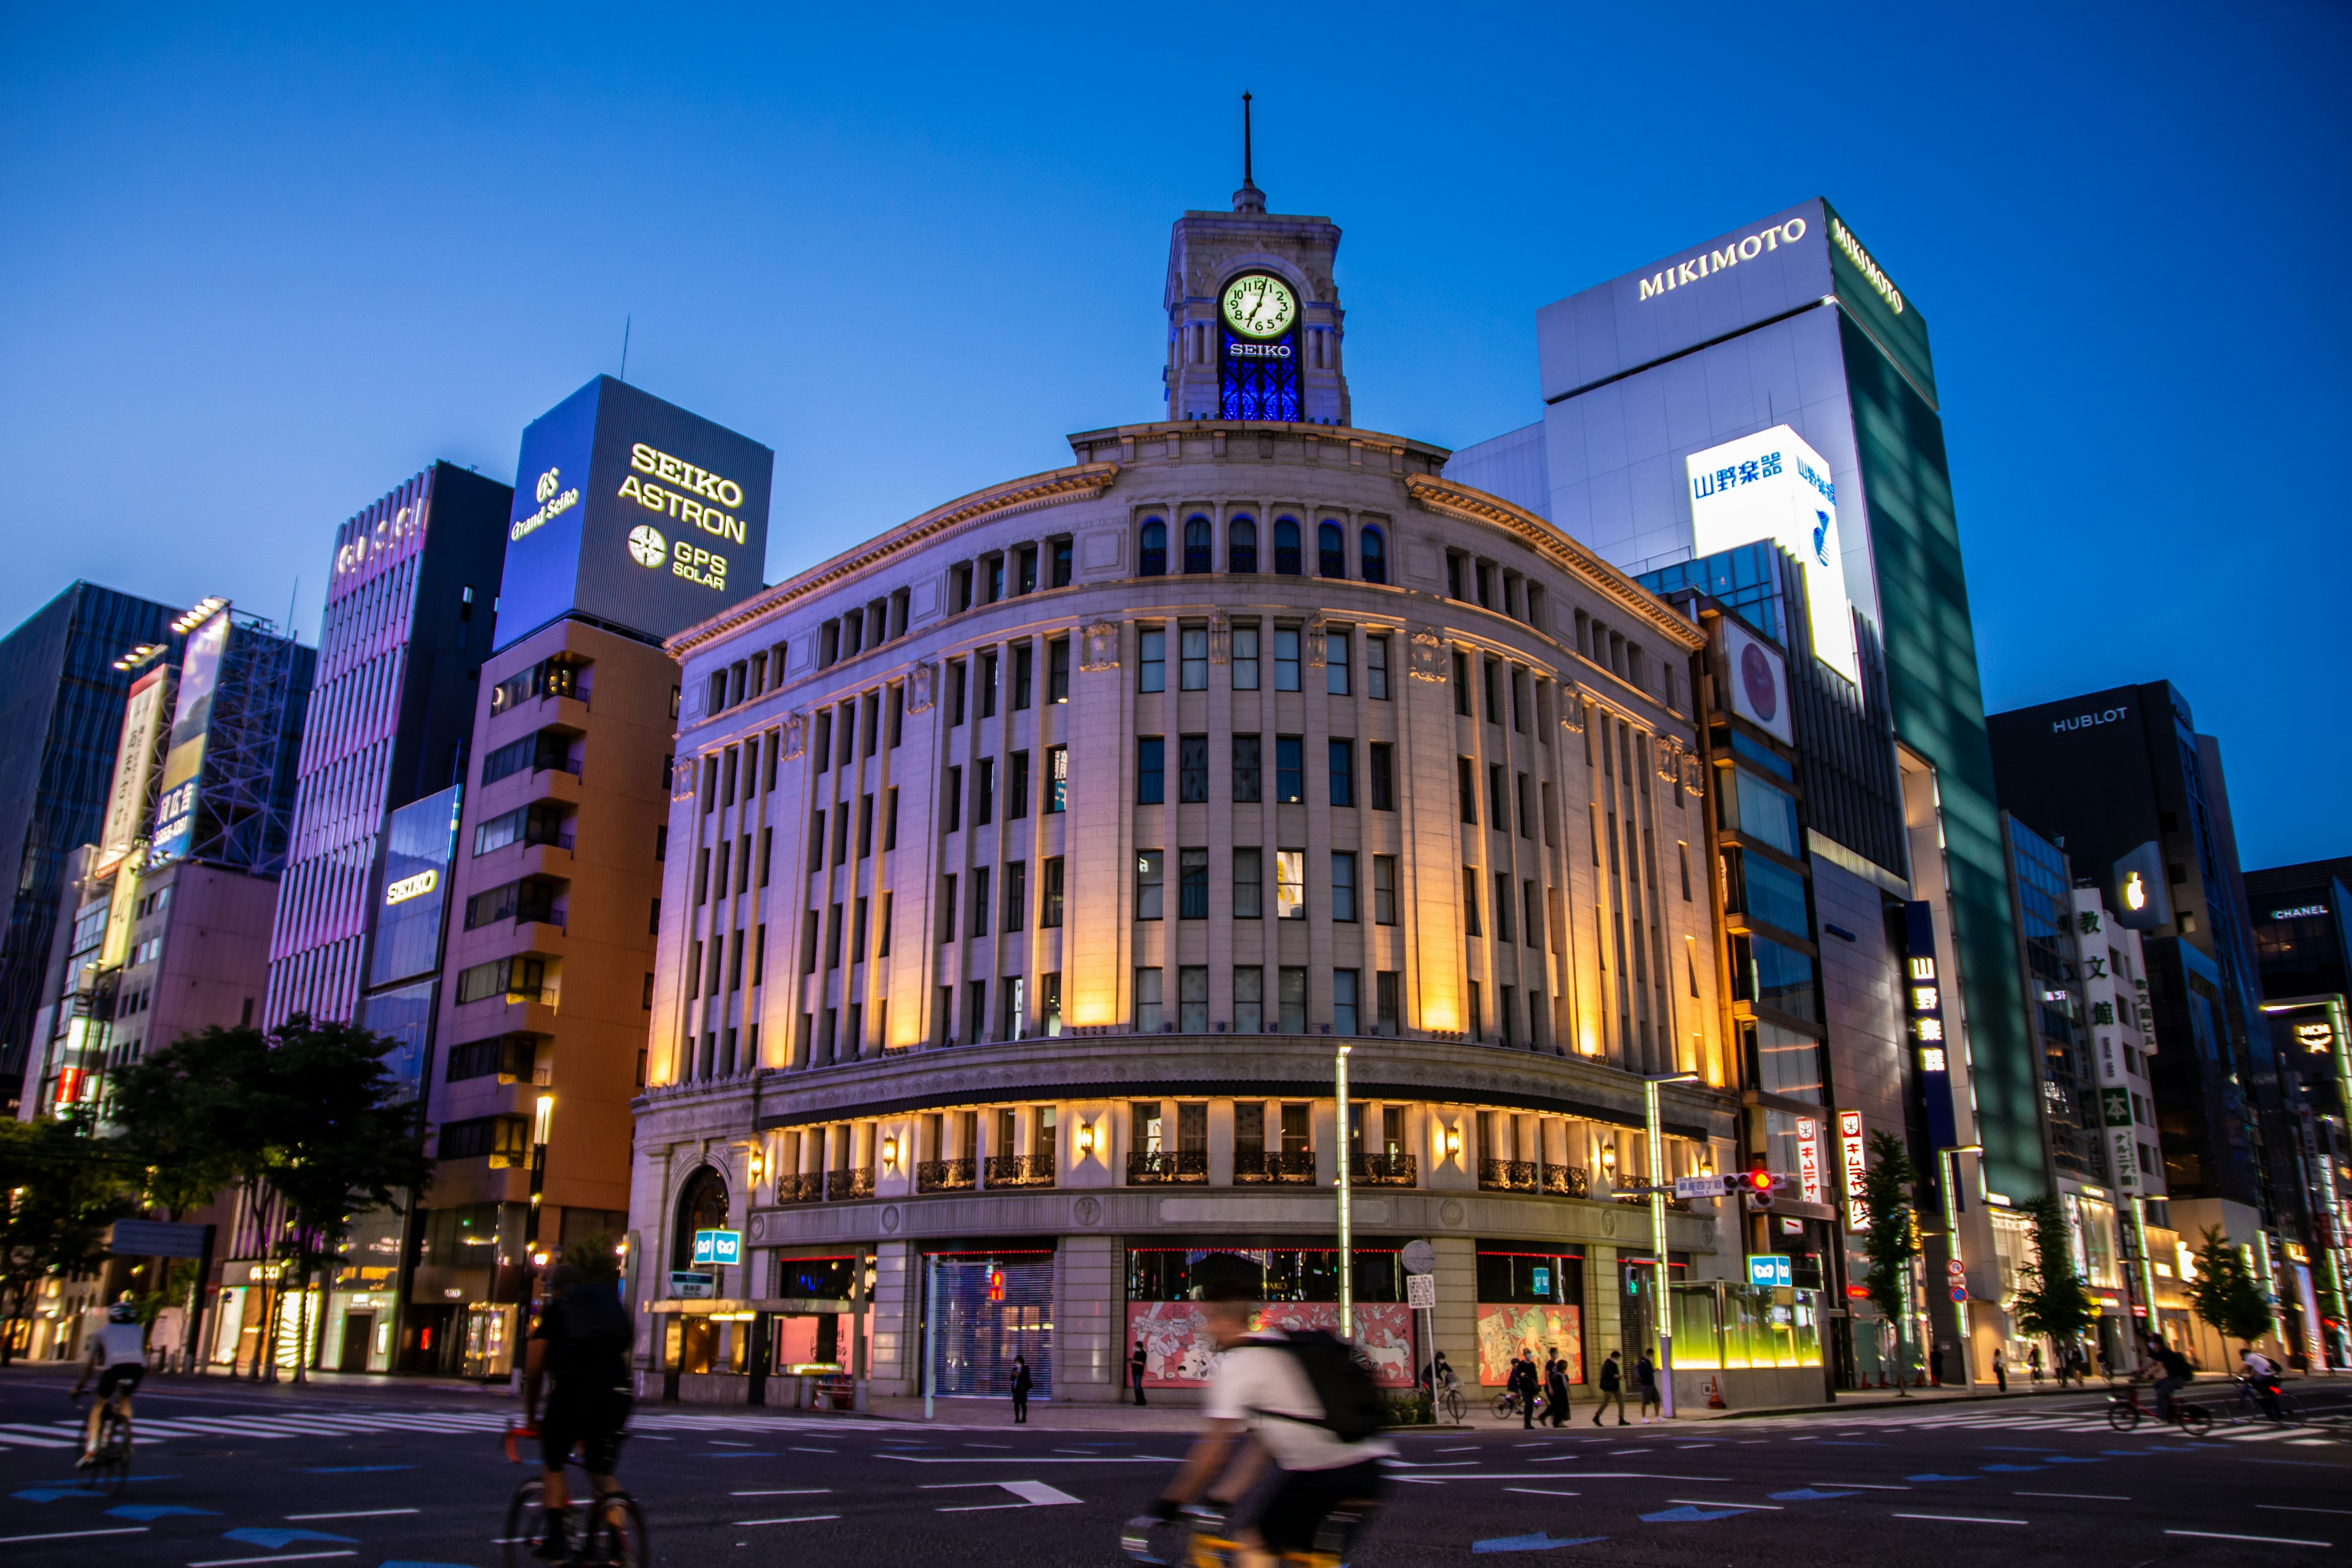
(1755, 678)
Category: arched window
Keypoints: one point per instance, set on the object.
(1331, 552)
(701, 1205)
(1286, 546)
(1375, 556)
(1240, 545)
(1155, 549)
(1199, 555)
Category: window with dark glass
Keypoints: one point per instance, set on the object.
(1151, 769)
(1330, 550)
(1373, 556)
(1199, 552)
(1153, 559)
(1343, 772)
(1192, 768)
(1382, 757)
(1286, 546)
(1246, 768)
(1240, 545)
(1290, 770)
(1192, 884)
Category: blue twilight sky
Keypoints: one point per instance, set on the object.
(260, 269)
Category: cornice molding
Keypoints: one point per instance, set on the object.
(1083, 482)
(1477, 506)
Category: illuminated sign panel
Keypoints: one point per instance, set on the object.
(1853, 1155)
(1809, 1160)
(1772, 485)
(1758, 679)
(175, 809)
(415, 887)
(718, 1246)
(1922, 1009)
(134, 764)
(634, 510)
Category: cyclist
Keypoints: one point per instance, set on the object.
(118, 1353)
(582, 1343)
(2261, 1374)
(2175, 1370)
(1263, 1388)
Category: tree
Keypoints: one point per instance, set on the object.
(61, 1188)
(2225, 1292)
(2051, 1297)
(1887, 1189)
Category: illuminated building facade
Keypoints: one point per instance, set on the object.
(1029, 863)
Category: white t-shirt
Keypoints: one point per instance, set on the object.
(1257, 1382)
(120, 1344)
(2259, 1365)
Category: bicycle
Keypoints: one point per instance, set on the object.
(2273, 1403)
(1208, 1544)
(2125, 1413)
(1451, 1405)
(613, 1534)
(1507, 1403)
(109, 1464)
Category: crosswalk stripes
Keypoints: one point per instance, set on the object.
(314, 1423)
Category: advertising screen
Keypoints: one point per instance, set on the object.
(420, 841)
(134, 764)
(1759, 680)
(1771, 485)
(634, 510)
(175, 809)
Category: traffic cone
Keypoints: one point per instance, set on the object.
(1715, 1395)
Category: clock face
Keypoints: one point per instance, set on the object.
(1257, 306)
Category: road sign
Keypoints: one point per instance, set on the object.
(1956, 1269)
(1421, 1292)
(1960, 1293)
(718, 1246)
(1417, 1257)
(157, 1238)
(1768, 1269)
(1701, 1187)
(691, 1283)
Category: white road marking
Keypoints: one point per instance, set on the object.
(1542, 1491)
(2289, 1508)
(1961, 1519)
(786, 1491)
(1036, 1459)
(2087, 1497)
(796, 1518)
(2265, 1540)
(290, 1557)
(1697, 1502)
(355, 1513)
(1859, 1486)
(74, 1534)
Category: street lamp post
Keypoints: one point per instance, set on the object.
(1659, 1286)
(1346, 1200)
(1948, 1174)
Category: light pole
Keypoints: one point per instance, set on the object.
(1949, 1178)
(1658, 1236)
(1346, 1200)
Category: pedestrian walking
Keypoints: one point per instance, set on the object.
(1613, 1388)
(1022, 1383)
(1556, 1385)
(1135, 1365)
(2034, 1360)
(1523, 1380)
(1645, 1377)
(2000, 1370)
(1936, 1365)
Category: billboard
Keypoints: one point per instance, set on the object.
(134, 765)
(175, 809)
(1758, 681)
(634, 510)
(1771, 485)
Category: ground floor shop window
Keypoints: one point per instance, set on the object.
(1299, 1287)
(1528, 1300)
(988, 1308)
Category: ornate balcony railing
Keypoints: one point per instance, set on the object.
(1507, 1175)
(1567, 1181)
(1187, 1166)
(1197, 559)
(945, 1175)
(1637, 1200)
(1295, 1168)
(1020, 1170)
(1384, 1170)
(805, 1187)
(851, 1184)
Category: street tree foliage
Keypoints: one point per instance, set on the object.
(59, 1191)
(1887, 1184)
(2225, 1292)
(305, 1120)
(2051, 1297)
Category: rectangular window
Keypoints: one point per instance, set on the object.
(977, 923)
(1060, 578)
(1049, 1020)
(1526, 807)
(1477, 1012)
(1249, 1130)
(1290, 884)
(956, 672)
(1246, 658)
(1249, 1001)
(1151, 769)
(832, 944)
(1193, 1018)
(1765, 890)
(1249, 884)
(1025, 675)
(1499, 798)
(1376, 668)
(1194, 649)
(1466, 788)
(1382, 758)
(948, 907)
(1503, 902)
(1016, 895)
(1151, 660)
(1057, 779)
(983, 792)
(984, 676)
(1057, 670)
(840, 832)
(889, 822)
(953, 805)
(1520, 701)
(857, 941)
(1286, 658)
(883, 948)
(1682, 852)
(1766, 814)
(1016, 797)
(1506, 1014)
(1343, 772)
(1384, 890)
(975, 1010)
(1492, 671)
(1292, 986)
(1150, 873)
(1147, 1022)
(1246, 768)
(1192, 884)
(865, 826)
(1462, 683)
(1531, 905)
(1049, 911)
(1290, 770)
(1335, 663)
(1470, 926)
(1388, 999)
(1343, 1001)
(1343, 885)
(1193, 768)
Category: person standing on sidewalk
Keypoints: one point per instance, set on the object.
(1936, 1365)
(2000, 1369)
(1524, 1384)
(1645, 1375)
(1612, 1387)
(1022, 1383)
(2034, 1360)
(1556, 1386)
(1135, 1365)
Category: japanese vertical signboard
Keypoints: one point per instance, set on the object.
(1851, 1156)
(1923, 1007)
(1809, 1160)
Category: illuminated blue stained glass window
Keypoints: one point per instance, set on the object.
(1261, 382)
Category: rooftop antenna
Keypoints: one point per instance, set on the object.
(626, 321)
(1249, 198)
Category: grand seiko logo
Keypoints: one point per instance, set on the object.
(1709, 262)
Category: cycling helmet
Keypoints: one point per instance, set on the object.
(122, 1312)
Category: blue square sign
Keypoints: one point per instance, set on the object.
(1768, 1269)
(718, 1246)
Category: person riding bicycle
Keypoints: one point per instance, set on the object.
(2261, 1374)
(1264, 1386)
(2176, 1373)
(118, 1353)
(582, 1343)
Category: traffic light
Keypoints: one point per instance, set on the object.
(1756, 1189)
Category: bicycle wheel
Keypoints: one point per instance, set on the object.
(2287, 1413)
(115, 1443)
(1504, 1405)
(2122, 1414)
(617, 1538)
(1452, 1406)
(2195, 1420)
(525, 1519)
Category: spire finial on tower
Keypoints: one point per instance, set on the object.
(1249, 198)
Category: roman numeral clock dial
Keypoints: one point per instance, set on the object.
(1259, 307)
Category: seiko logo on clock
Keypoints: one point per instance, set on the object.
(1258, 305)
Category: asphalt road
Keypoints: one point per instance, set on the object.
(228, 1475)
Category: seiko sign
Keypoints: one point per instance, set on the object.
(1709, 262)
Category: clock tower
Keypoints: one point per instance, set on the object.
(1253, 321)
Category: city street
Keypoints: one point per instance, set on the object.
(229, 1476)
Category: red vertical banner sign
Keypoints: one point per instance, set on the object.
(1851, 1156)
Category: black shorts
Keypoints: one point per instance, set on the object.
(123, 1377)
(1305, 1498)
(595, 1424)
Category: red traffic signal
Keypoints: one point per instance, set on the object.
(1755, 1188)
(1759, 1180)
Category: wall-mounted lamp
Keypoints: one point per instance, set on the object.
(890, 1152)
(1609, 1158)
(752, 1164)
(538, 1259)
(1454, 1142)
(1085, 1140)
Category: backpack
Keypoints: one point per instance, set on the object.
(597, 1335)
(1343, 1385)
